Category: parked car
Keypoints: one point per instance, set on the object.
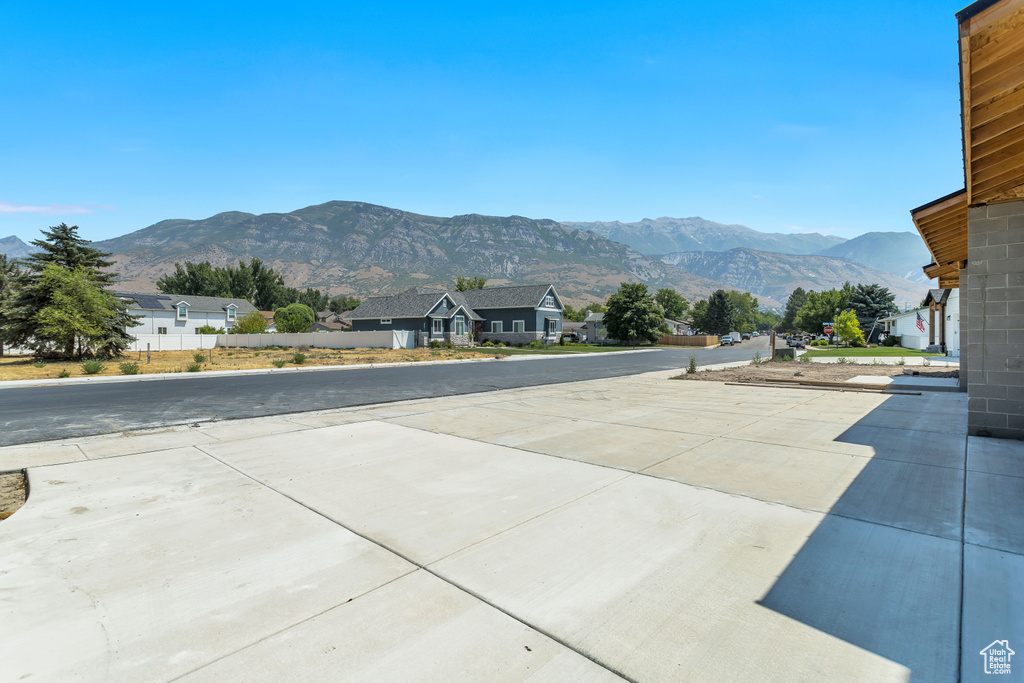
(756, 334)
(727, 340)
(745, 335)
(795, 341)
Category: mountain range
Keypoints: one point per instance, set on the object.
(656, 236)
(363, 249)
(777, 275)
(14, 247)
(900, 253)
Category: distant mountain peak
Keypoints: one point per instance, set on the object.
(654, 236)
(364, 249)
(14, 248)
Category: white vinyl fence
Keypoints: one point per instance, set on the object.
(174, 342)
(387, 339)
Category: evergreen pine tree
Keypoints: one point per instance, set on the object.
(720, 317)
(871, 302)
(796, 300)
(62, 247)
(12, 279)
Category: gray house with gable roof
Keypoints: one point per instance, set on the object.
(514, 315)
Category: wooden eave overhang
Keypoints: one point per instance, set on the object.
(943, 227)
(991, 45)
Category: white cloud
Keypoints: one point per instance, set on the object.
(49, 210)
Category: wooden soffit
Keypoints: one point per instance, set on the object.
(992, 100)
(943, 227)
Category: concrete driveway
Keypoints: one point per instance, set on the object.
(633, 528)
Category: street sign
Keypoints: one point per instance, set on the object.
(828, 330)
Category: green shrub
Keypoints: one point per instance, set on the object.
(435, 344)
(758, 359)
(901, 361)
(198, 357)
(129, 368)
(692, 369)
(842, 360)
(210, 329)
(255, 354)
(278, 363)
(561, 340)
(93, 366)
(857, 344)
(299, 358)
(64, 373)
(536, 344)
(891, 340)
(194, 367)
(39, 364)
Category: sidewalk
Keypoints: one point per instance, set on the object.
(632, 527)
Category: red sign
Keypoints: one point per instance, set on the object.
(828, 330)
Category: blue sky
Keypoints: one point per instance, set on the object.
(783, 116)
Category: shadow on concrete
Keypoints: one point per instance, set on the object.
(883, 569)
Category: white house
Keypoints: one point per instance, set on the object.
(934, 327)
(183, 314)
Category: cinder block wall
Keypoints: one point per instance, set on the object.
(995, 330)
(964, 331)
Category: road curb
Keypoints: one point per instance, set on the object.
(156, 377)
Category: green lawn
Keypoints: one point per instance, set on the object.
(876, 351)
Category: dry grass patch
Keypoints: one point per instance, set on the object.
(26, 367)
(12, 493)
(828, 372)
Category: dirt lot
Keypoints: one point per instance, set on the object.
(21, 367)
(12, 493)
(831, 372)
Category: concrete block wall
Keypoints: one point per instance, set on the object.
(994, 335)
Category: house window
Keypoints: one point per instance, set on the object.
(519, 326)
(549, 301)
(552, 328)
(496, 327)
(183, 312)
(161, 330)
(460, 325)
(385, 321)
(231, 315)
(437, 326)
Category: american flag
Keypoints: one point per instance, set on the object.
(920, 322)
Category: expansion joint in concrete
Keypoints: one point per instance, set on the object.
(419, 566)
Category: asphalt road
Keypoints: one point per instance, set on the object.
(40, 413)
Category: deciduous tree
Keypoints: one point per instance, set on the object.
(340, 304)
(820, 308)
(294, 318)
(464, 284)
(848, 328)
(633, 315)
(674, 305)
(252, 322)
